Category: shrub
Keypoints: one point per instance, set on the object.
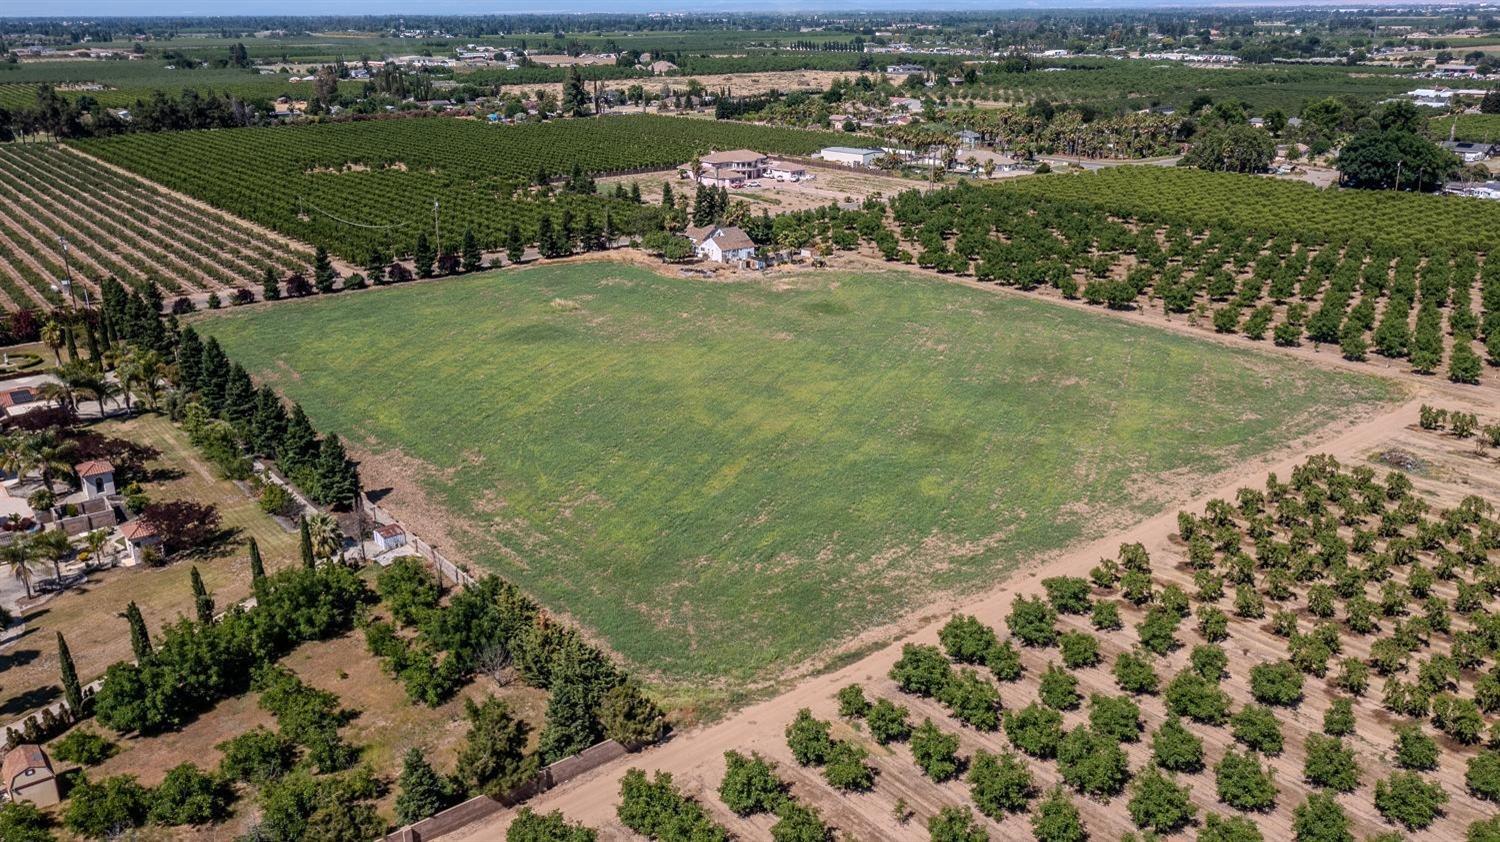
(1480, 830)
(750, 784)
(1175, 748)
(1406, 799)
(935, 752)
(1256, 726)
(107, 807)
(1195, 697)
(1458, 717)
(1068, 594)
(21, 821)
(999, 784)
(1106, 616)
(973, 700)
(1134, 673)
(189, 796)
(409, 589)
(847, 770)
(1321, 819)
(1243, 784)
(1276, 684)
(1483, 775)
(1158, 804)
(1056, 819)
(1032, 621)
(967, 640)
(1004, 661)
(887, 722)
(921, 670)
(1115, 717)
(420, 791)
(1059, 689)
(796, 823)
(1079, 649)
(808, 739)
(657, 810)
(1339, 720)
(1414, 749)
(547, 827)
(852, 702)
(1330, 764)
(84, 747)
(1210, 661)
(955, 824)
(1092, 764)
(1035, 730)
(1158, 631)
(1217, 828)
(257, 756)
(1213, 624)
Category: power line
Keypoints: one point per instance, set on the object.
(301, 202)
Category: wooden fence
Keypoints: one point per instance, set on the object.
(483, 806)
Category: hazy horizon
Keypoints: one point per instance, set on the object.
(231, 8)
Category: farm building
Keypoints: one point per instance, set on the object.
(850, 156)
(27, 776)
(389, 537)
(96, 477)
(731, 168)
(1469, 152)
(904, 69)
(783, 171)
(722, 243)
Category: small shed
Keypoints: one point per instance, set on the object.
(27, 776)
(389, 537)
(139, 536)
(96, 477)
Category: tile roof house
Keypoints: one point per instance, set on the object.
(139, 537)
(97, 476)
(732, 167)
(27, 775)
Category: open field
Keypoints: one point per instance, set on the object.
(119, 84)
(86, 615)
(722, 480)
(846, 187)
(354, 187)
(120, 226)
(1445, 470)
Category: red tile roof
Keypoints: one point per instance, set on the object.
(20, 759)
(137, 529)
(94, 467)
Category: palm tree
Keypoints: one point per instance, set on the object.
(58, 392)
(327, 538)
(52, 335)
(46, 452)
(18, 555)
(54, 545)
(94, 540)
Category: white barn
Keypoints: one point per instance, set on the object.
(850, 156)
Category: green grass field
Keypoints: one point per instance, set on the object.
(721, 479)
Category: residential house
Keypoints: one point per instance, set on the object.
(27, 775)
(659, 68)
(904, 69)
(96, 477)
(732, 168)
(850, 156)
(968, 139)
(389, 537)
(1469, 152)
(1474, 189)
(906, 103)
(722, 243)
(140, 537)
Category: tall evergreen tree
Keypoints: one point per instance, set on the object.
(214, 378)
(420, 791)
(270, 286)
(575, 100)
(300, 445)
(140, 640)
(338, 479)
(203, 601)
(323, 273)
(473, 258)
(257, 567)
(703, 205)
(546, 239)
(515, 244)
(269, 424)
(375, 266)
(72, 689)
(423, 256)
(239, 399)
(189, 361)
(304, 540)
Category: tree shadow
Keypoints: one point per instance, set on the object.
(33, 698)
(378, 494)
(19, 657)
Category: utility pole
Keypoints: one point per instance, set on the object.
(1399, 164)
(437, 234)
(67, 271)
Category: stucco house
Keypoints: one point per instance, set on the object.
(389, 537)
(96, 477)
(139, 536)
(27, 775)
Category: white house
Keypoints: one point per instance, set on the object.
(97, 477)
(722, 243)
(389, 537)
(783, 171)
(968, 139)
(139, 536)
(904, 69)
(732, 167)
(850, 156)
